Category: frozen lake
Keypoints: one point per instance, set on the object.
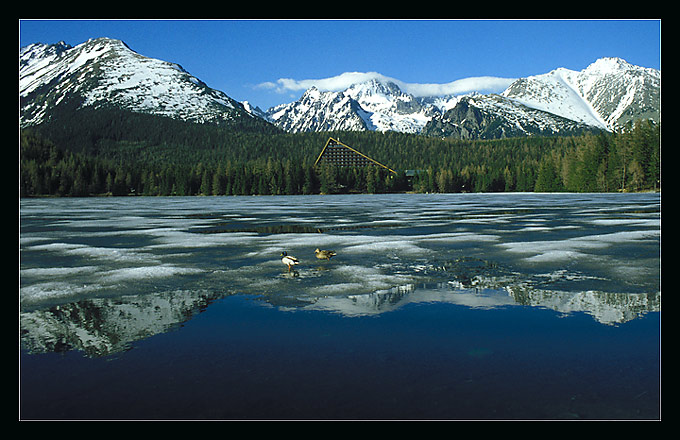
(449, 306)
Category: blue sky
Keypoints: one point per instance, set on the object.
(269, 62)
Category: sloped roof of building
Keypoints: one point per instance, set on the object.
(337, 153)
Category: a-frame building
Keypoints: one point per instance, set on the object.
(338, 154)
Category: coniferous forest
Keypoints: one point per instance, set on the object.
(117, 153)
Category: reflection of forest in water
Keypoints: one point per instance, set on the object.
(102, 326)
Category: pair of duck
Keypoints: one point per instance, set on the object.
(291, 261)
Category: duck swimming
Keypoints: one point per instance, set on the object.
(289, 260)
(324, 255)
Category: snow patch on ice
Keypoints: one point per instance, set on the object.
(552, 250)
(147, 272)
(104, 253)
(57, 271)
(55, 289)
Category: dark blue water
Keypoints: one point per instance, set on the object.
(436, 307)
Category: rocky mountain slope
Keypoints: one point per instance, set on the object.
(372, 105)
(607, 94)
(604, 96)
(498, 117)
(106, 72)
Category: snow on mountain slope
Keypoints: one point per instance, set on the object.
(105, 71)
(621, 92)
(497, 117)
(319, 111)
(387, 107)
(606, 94)
(555, 92)
(371, 105)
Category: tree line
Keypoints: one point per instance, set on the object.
(629, 160)
(86, 159)
(47, 170)
(626, 161)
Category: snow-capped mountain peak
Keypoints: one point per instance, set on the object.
(319, 111)
(373, 88)
(604, 96)
(104, 71)
(555, 92)
(608, 65)
(370, 105)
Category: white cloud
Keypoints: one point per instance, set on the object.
(332, 84)
(346, 79)
(461, 86)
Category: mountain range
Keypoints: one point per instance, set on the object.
(105, 72)
(604, 96)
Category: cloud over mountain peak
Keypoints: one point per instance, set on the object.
(346, 79)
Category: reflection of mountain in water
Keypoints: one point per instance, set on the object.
(102, 326)
(479, 283)
(606, 308)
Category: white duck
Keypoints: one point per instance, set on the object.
(289, 260)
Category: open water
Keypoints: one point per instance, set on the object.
(449, 306)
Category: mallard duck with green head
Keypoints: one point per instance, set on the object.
(289, 260)
(324, 255)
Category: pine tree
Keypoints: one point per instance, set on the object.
(206, 183)
(548, 180)
(218, 182)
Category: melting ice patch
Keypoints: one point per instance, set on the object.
(459, 237)
(103, 253)
(55, 290)
(106, 268)
(183, 239)
(390, 246)
(146, 272)
(554, 250)
(40, 272)
(391, 249)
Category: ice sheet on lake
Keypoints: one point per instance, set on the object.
(146, 272)
(548, 250)
(95, 252)
(593, 253)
